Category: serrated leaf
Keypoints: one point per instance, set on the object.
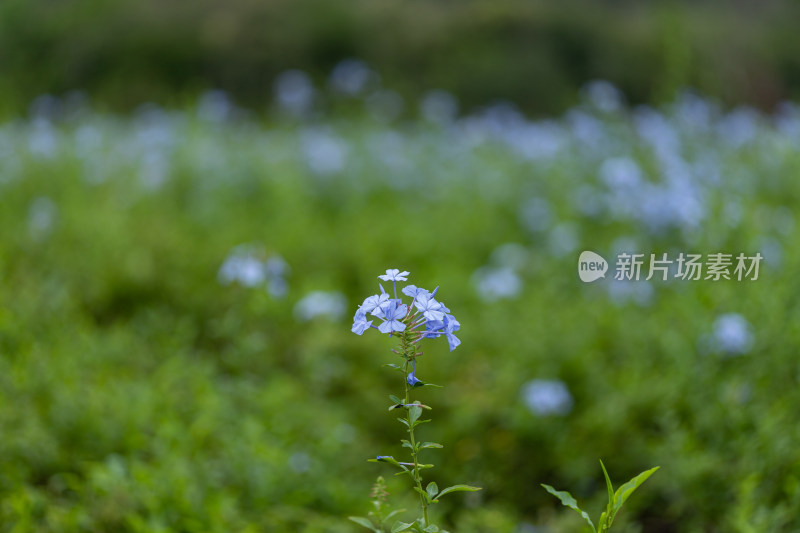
(430, 445)
(361, 521)
(624, 492)
(414, 413)
(401, 526)
(432, 489)
(458, 488)
(568, 501)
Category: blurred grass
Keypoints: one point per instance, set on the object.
(534, 53)
(137, 393)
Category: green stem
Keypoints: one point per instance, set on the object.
(409, 352)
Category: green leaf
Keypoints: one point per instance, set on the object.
(361, 521)
(424, 494)
(406, 444)
(390, 460)
(432, 489)
(430, 445)
(414, 413)
(395, 406)
(608, 483)
(458, 488)
(401, 526)
(423, 384)
(396, 367)
(607, 517)
(395, 399)
(624, 492)
(431, 529)
(404, 421)
(568, 501)
(394, 513)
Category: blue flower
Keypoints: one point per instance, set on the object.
(393, 274)
(360, 323)
(430, 308)
(393, 313)
(372, 303)
(411, 379)
(414, 291)
(433, 328)
(451, 325)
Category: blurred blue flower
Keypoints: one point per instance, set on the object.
(547, 397)
(733, 334)
(330, 305)
(393, 313)
(496, 283)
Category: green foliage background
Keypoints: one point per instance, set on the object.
(535, 53)
(140, 394)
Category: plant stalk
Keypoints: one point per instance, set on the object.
(409, 353)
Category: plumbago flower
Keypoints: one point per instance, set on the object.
(423, 318)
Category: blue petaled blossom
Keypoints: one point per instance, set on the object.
(451, 325)
(393, 274)
(393, 313)
(430, 308)
(360, 323)
(433, 328)
(413, 291)
(411, 379)
(374, 302)
(395, 316)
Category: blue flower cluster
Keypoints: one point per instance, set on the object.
(424, 312)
